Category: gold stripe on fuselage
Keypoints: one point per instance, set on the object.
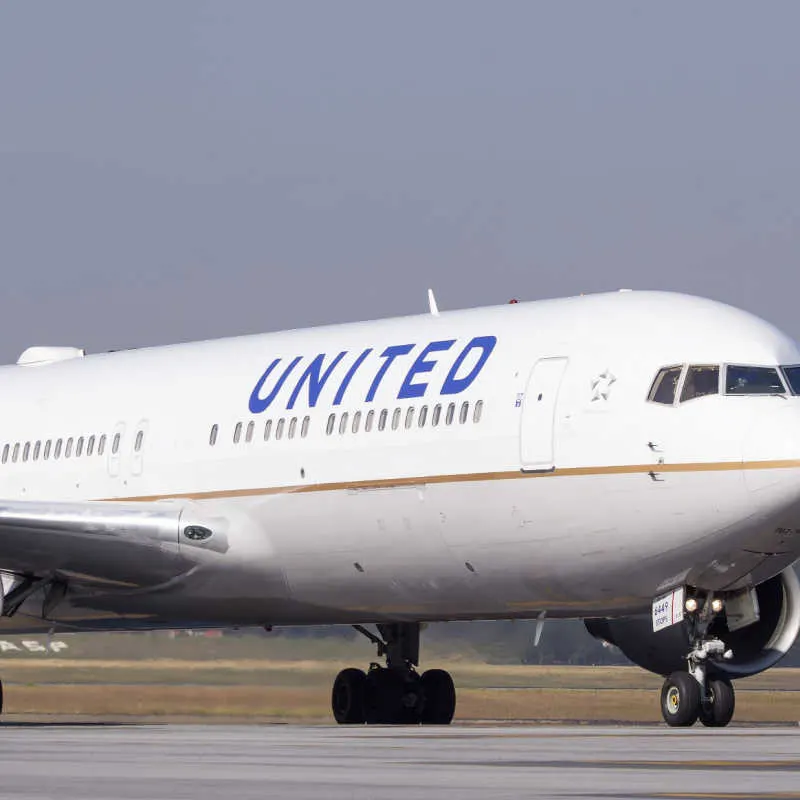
(472, 477)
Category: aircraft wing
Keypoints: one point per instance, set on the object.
(133, 544)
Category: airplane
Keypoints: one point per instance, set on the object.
(628, 458)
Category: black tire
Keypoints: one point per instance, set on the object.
(347, 697)
(439, 697)
(718, 710)
(680, 700)
(384, 697)
(393, 697)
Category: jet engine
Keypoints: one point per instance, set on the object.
(760, 634)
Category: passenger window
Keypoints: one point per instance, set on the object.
(90, 446)
(396, 419)
(37, 449)
(384, 416)
(114, 444)
(101, 445)
(343, 423)
(292, 427)
(423, 415)
(212, 438)
(369, 420)
(279, 428)
(237, 433)
(356, 421)
(79, 448)
(437, 413)
(476, 417)
(15, 455)
(137, 445)
(26, 451)
(57, 451)
(700, 382)
(5, 454)
(47, 447)
(267, 430)
(753, 380)
(331, 424)
(665, 386)
(251, 427)
(451, 412)
(304, 428)
(462, 417)
(68, 448)
(409, 417)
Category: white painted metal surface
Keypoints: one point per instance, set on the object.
(406, 521)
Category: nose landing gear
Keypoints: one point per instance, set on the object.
(395, 694)
(680, 700)
(699, 693)
(716, 709)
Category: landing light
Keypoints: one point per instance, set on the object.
(691, 605)
(717, 605)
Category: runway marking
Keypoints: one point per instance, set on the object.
(726, 795)
(709, 796)
(740, 766)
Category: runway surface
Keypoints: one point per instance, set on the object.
(280, 761)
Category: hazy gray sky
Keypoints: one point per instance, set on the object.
(178, 170)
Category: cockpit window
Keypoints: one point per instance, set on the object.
(699, 382)
(753, 380)
(792, 375)
(665, 385)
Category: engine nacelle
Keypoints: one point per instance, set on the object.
(756, 647)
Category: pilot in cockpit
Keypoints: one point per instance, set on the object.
(700, 381)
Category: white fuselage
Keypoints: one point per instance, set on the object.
(562, 490)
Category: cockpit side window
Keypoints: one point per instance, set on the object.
(792, 375)
(753, 380)
(700, 381)
(665, 386)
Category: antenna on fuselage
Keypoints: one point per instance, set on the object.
(432, 303)
(537, 637)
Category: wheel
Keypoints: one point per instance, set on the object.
(717, 712)
(680, 700)
(393, 697)
(347, 697)
(384, 696)
(439, 697)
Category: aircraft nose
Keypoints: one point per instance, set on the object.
(771, 456)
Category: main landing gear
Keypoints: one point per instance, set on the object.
(395, 694)
(699, 693)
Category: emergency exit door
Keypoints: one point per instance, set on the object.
(539, 414)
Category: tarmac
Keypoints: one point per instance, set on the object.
(112, 761)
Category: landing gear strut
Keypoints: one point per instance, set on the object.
(699, 693)
(395, 694)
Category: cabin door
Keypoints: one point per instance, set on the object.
(539, 413)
